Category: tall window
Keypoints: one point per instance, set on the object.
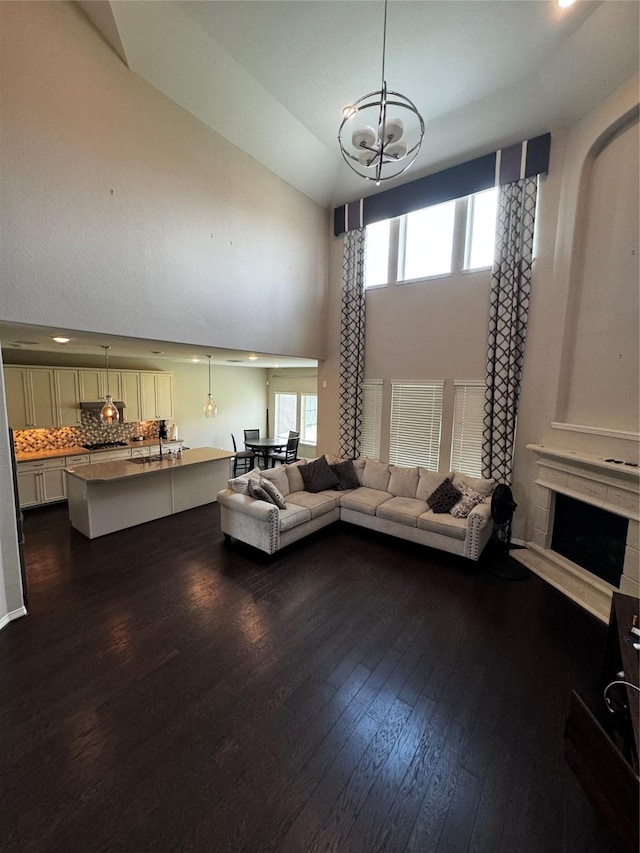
(426, 242)
(286, 413)
(371, 419)
(416, 421)
(466, 441)
(309, 418)
(376, 263)
(481, 229)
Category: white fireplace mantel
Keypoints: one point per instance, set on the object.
(614, 487)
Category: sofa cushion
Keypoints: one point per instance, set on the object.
(292, 516)
(346, 475)
(402, 510)
(376, 475)
(274, 492)
(364, 500)
(444, 524)
(278, 477)
(294, 476)
(317, 504)
(317, 475)
(484, 487)
(403, 482)
(256, 491)
(240, 485)
(444, 497)
(358, 467)
(429, 482)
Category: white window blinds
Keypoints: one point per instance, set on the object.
(371, 419)
(466, 441)
(416, 420)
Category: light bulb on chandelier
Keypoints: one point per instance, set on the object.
(381, 146)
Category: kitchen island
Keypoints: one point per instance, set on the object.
(109, 496)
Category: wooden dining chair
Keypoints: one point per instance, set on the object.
(245, 458)
(251, 433)
(290, 454)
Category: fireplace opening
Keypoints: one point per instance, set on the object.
(591, 537)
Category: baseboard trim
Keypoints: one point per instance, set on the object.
(13, 614)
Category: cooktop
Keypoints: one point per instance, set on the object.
(104, 445)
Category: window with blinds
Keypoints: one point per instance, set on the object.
(466, 441)
(416, 422)
(371, 419)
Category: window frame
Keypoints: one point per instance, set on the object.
(302, 422)
(468, 232)
(276, 395)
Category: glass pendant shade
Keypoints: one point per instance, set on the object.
(109, 414)
(210, 408)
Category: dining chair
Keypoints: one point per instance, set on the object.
(290, 454)
(293, 434)
(246, 458)
(251, 433)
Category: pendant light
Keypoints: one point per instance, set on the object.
(109, 414)
(381, 133)
(210, 408)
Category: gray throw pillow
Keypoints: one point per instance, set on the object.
(346, 475)
(274, 492)
(317, 475)
(444, 497)
(256, 491)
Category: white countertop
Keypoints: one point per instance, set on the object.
(77, 450)
(106, 472)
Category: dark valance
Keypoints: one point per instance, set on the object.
(504, 166)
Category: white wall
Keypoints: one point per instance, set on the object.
(122, 213)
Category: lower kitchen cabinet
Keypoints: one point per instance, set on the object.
(41, 482)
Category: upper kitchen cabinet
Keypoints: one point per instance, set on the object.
(30, 397)
(156, 392)
(130, 384)
(93, 385)
(67, 395)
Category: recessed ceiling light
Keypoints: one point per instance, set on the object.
(195, 360)
(277, 364)
(564, 3)
(157, 352)
(252, 357)
(62, 340)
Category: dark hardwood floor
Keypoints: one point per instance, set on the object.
(355, 693)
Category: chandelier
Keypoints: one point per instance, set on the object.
(210, 408)
(381, 133)
(109, 413)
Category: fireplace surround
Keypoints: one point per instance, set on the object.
(598, 483)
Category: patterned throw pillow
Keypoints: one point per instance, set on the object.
(274, 493)
(470, 499)
(444, 497)
(256, 491)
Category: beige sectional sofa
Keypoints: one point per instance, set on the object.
(389, 499)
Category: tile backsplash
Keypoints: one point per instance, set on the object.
(90, 431)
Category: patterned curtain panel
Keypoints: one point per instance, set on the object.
(352, 343)
(508, 312)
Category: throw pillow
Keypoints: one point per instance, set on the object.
(470, 499)
(278, 476)
(294, 477)
(429, 482)
(444, 497)
(317, 475)
(346, 475)
(274, 493)
(358, 467)
(256, 491)
(240, 485)
(485, 487)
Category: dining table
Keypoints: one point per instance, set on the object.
(262, 447)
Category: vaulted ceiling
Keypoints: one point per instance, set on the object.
(273, 76)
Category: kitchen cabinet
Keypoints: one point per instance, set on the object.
(30, 397)
(156, 393)
(67, 396)
(93, 385)
(41, 482)
(130, 384)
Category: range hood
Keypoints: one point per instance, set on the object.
(119, 404)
